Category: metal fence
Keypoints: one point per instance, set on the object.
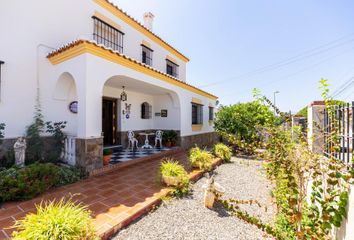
(338, 121)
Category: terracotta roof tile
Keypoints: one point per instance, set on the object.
(142, 25)
(81, 41)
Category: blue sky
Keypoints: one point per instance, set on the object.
(273, 45)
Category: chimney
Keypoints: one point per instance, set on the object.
(148, 20)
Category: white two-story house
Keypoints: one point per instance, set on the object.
(91, 64)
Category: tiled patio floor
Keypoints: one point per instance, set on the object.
(114, 198)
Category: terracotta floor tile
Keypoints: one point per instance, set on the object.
(91, 199)
(113, 201)
(90, 192)
(115, 211)
(111, 196)
(131, 201)
(105, 185)
(9, 212)
(3, 235)
(98, 208)
(25, 206)
(6, 223)
(101, 219)
(108, 193)
(119, 219)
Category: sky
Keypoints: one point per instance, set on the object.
(273, 45)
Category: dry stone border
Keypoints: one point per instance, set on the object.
(188, 219)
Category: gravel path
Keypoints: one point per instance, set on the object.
(188, 219)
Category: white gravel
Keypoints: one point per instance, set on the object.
(188, 219)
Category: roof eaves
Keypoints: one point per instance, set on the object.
(80, 41)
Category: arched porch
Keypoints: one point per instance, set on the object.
(148, 108)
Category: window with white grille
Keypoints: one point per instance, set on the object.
(146, 110)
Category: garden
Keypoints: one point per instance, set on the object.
(270, 185)
(43, 168)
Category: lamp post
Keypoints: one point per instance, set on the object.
(274, 102)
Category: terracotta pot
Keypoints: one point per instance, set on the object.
(106, 159)
(168, 144)
(171, 181)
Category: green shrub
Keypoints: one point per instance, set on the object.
(8, 160)
(222, 151)
(171, 170)
(35, 144)
(243, 120)
(107, 152)
(201, 159)
(56, 220)
(170, 136)
(28, 182)
(56, 131)
(69, 175)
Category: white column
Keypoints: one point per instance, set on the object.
(315, 118)
(90, 106)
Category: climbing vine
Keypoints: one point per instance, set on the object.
(294, 168)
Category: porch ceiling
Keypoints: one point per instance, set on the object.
(135, 85)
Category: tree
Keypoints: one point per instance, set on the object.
(34, 151)
(244, 120)
(303, 111)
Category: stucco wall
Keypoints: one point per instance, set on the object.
(37, 27)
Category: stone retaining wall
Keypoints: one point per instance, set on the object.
(201, 140)
(89, 153)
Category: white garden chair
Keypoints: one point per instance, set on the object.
(158, 138)
(132, 141)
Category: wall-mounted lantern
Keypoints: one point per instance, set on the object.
(123, 95)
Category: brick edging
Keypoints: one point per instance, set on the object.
(194, 176)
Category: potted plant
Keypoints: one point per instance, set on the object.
(223, 152)
(107, 154)
(201, 159)
(170, 138)
(172, 173)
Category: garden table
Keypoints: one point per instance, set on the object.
(147, 144)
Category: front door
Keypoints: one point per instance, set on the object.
(109, 121)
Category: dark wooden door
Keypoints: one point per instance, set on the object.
(109, 121)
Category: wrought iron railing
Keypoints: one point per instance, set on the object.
(339, 122)
(105, 34)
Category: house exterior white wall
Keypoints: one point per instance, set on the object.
(37, 27)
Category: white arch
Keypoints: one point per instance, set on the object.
(64, 93)
(65, 87)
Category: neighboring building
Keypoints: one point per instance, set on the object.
(81, 54)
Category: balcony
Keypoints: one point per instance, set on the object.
(107, 35)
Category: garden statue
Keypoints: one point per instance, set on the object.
(20, 150)
(212, 191)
